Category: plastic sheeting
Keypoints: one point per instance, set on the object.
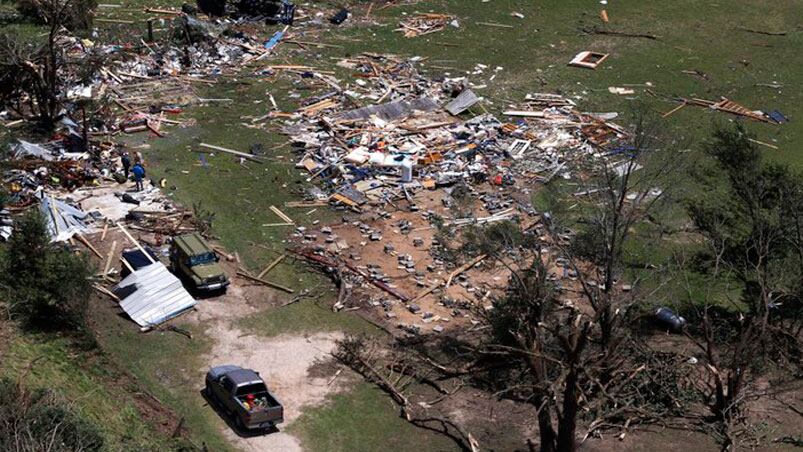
(154, 295)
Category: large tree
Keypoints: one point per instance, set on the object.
(751, 216)
(33, 71)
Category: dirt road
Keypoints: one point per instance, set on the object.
(283, 362)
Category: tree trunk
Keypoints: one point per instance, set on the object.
(545, 430)
(567, 426)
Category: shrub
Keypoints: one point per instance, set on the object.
(46, 286)
(39, 420)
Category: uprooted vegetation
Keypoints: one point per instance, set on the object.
(579, 346)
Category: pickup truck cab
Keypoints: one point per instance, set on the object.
(193, 258)
(242, 394)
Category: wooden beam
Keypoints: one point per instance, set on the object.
(135, 242)
(109, 258)
(231, 151)
(88, 245)
(267, 283)
(271, 265)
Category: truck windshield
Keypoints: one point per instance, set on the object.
(200, 259)
(254, 388)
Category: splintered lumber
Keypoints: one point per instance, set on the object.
(115, 21)
(457, 271)
(271, 265)
(524, 113)
(303, 204)
(109, 258)
(232, 151)
(163, 11)
(227, 256)
(106, 291)
(136, 243)
(281, 215)
(127, 265)
(492, 24)
(728, 106)
(308, 43)
(103, 234)
(673, 110)
(88, 245)
(262, 281)
(427, 291)
(771, 146)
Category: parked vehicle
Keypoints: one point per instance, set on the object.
(193, 258)
(242, 394)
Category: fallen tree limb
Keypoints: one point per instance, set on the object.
(599, 31)
(762, 32)
(333, 264)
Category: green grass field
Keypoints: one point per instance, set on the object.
(532, 52)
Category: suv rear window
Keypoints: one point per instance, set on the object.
(200, 259)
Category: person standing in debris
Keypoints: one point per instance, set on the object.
(126, 161)
(139, 175)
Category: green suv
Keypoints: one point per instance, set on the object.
(193, 258)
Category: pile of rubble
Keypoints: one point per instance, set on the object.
(424, 24)
(392, 152)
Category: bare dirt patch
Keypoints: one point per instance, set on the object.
(283, 361)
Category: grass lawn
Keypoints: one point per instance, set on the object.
(86, 381)
(364, 419)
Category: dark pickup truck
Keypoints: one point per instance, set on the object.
(242, 394)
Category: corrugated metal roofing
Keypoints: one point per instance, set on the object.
(63, 220)
(159, 295)
(391, 110)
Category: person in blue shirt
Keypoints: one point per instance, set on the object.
(139, 174)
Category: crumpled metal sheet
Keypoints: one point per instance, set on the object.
(63, 220)
(158, 295)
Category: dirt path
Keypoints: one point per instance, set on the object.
(283, 362)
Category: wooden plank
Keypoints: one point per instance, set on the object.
(105, 229)
(281, 214)
(271, 265)
(109, 258)
(262, 281)
(771, 146)
(231, 151)
(106, 291)
(136, 243)
(673, 110)
(88, 245)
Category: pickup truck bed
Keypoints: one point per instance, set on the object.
(230, 388)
